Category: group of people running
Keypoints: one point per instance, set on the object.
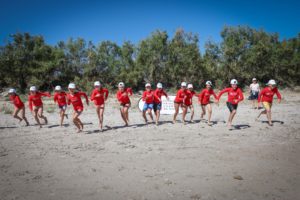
(152, 101)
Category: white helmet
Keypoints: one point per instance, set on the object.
(97, 83)
(148, 85)
(190, 86)
(183, 84)
(72, 86)
(12, 90)
(33, 89)
(233, 81)
(208, 83)
(121, 84)
(159, 85)
(58, 88)
(272, 82)
(254, 79)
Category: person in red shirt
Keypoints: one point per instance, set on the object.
(181, 93)
(74, 98)
(266, 97)
(60, 98)
(123, 95)
(204, 101)
(158, 93)
(99, 96)
(36, 104)
(188, 101)
(19, 106)
(235, 95)
(148, 97)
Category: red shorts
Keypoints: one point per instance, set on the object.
(78, 109)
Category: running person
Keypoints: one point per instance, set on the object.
(148, 97)
(123, 95)
(181, 93)
(158, 93)
(74, 97)
(188, 101)
(19, 106)
(60, 98)
(266, 97)
(204, 100)
(99, 96)
(36, 104)
(254, 91)
(235, 95)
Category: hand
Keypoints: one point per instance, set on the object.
(279, 100)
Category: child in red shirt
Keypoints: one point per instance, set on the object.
(19, 106)
(266, 97)
(60, 98)
(36, 104)
(204, 100)
(188, 101)
(181, 93)
(158, 93)
(99, 96)
(235, 95)
(148, 97)
(123, 95)
(74, 97)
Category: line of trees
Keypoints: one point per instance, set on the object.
(243, 53)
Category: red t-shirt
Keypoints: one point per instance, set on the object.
(157, 95)
(123, 96)
(180, 96)
(36, 100)
(204, 96)
(99, 96)
(60, 98)
(234, 95)
(148, 96)
(267, 94)
(16, 101)
(188, 98)
(76, 101)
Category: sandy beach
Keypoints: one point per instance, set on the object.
(139, 162)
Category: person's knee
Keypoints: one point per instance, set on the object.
(233, 112)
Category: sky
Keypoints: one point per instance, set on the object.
(133, 20)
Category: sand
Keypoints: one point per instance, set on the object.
(192, 161)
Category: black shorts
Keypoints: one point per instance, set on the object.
(156, 106)
(231, 106)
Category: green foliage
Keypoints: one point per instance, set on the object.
(243, 53)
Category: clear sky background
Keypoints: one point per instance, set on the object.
(134, 20)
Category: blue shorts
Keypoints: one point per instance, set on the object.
(253, 95)
(156, 106)
(148, 106)
(64, 107)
